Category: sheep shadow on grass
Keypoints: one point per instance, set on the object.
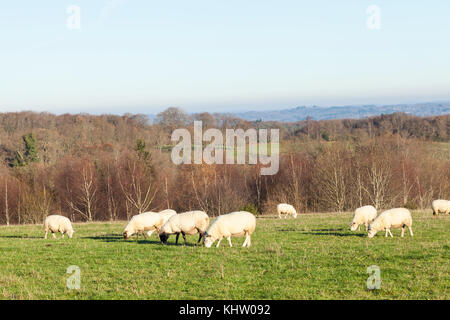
(25, 236)
(106, 238)
(331, 232)
(339, 232)
(119, 238)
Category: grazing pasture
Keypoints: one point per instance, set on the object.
(315, 256)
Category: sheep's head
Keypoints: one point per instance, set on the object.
(70, 233)
(126, 234)
(208, 240)
(163, 237)
(371, 232)
(353, 226)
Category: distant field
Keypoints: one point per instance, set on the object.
(313, 257)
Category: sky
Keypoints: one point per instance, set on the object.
(142, 56)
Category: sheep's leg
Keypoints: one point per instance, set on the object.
(200, 237)
(178, 235)
(410, 231)
(390, 233)
(62, 235)
(53, 234)
(218, 242)
(46, 232)
(359, 227)
(184, 237)
(367, 227)
(386, 233)
(249, 243)
(403, 231)
(229, 241)
(246, 239)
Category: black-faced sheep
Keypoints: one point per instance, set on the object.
(190, 223)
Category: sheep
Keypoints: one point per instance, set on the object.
(146, 221)
(363, 215)
(287, 209)
(393, 218)
(235, 224)
(190, 222)
(165, 214)
(440, 206)
(57, 223)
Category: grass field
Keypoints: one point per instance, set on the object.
(312, 257)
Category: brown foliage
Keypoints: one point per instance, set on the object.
(90, 169)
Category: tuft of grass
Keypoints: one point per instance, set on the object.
(315, 256)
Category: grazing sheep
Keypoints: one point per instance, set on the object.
(235, 224)
(391, 219)
(57, 223)
(287, 209)
(165, 214)
(190, 222)
(440, 206)
(147, 221)
(363, 215)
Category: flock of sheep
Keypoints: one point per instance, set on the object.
(241, 223)
(167, 222)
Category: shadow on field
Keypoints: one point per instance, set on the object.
(341, 232)
(25, 236)
(107, 238)
(332, 232)
(119, 238)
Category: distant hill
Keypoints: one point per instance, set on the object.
(345, 112)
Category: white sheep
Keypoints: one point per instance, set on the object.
(287, 209)
(190, 222)
(235, 224)
(57, 223)
(165, 214)
(140, 223)
(363, 216)
(391, 219)
(440, 206)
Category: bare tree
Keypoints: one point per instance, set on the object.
(76, 183)
(378, 175)
(83, 201)
(330, 178)
(138, 183)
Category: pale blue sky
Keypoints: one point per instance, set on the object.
(220, 55)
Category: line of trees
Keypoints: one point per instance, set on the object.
(111, 167)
